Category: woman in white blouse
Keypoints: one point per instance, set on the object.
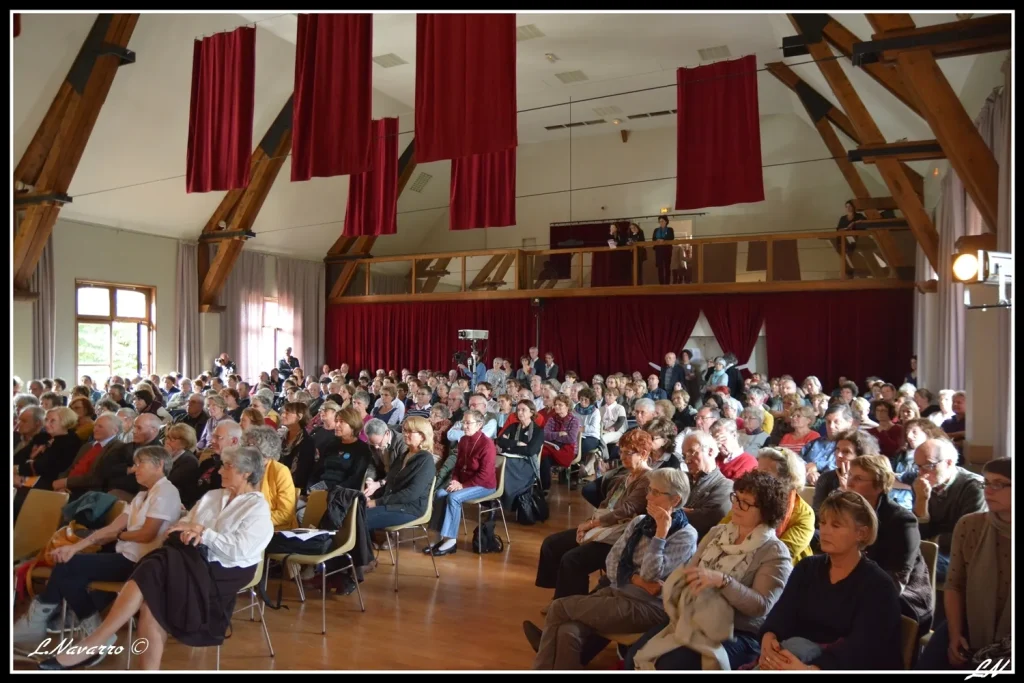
(231, 527)
(613, 415)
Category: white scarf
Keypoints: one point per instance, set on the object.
(724, 555)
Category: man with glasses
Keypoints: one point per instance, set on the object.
(820, 455)
(943, 493)
(421, 404)
(708, 502)
(489, 422)
(387, 446)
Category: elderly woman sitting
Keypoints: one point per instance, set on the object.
(745, 564)
(521, 444)
(649, 549)
(897, 550)
(839, 611)
(277, 487)
(568, 557)
(137, 531)
(752, 438)
(229, 527)
(561, 433)
(797, 526)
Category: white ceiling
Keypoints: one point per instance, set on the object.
(131, 175)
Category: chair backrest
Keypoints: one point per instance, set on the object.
(39, 518)
(345, 538)
(930, 553)
(908, 629)
(579, 447)
(807, 493)
(499, 466)
(256, 577)
(316, 506)
(116, 510)
(430, 509)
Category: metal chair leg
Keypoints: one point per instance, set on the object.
(323, 596)
(391, 551)
(432, 561)
(218, 658)
(64, 619)
(298, 582)
(131, 628)
(394, 557)
(501, 509)
(266, 631)
(359, 593)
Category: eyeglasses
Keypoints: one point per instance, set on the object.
(693, 453)
(929, 466)
(860, 480)
(739, 502)
(656, 492)
(997, 485)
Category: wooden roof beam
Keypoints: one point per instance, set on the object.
(486, 271)
(440, 265)
(902, 186)
(920, 150)
(896, 33)
(51, 159)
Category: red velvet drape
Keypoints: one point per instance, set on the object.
(483, 191)
(610, 334)
(465, 85)
(425, 335)
(833, 334)
(221, 111)
(718, 145)
(735, 320)
(331, 118)
(17, 25)
(373, 196)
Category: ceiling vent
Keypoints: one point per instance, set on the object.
(665, 112)
(572, 77)
(528, 32)
(710, 53)
(421, 182)
(607, 111)
(596, 122)
(638, 116)
(652, 114)
(389, 60)
(558, 127)
(575, 124)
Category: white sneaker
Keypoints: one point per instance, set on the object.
(53, 623)
(32, 625)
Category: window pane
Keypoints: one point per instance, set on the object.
(270, 313)
(131, 304)
(99, 374)
(93, 301)
(144, 349)
(93, 344)
(126, 349)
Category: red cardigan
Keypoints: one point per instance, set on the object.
(475, 463)
(738, 466)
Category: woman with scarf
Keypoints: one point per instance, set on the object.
(561, 434)
(589, 416)
(473, 477)
(737, 574)
(520, 442)
(650, 548)
(978, 583)
(717, 377)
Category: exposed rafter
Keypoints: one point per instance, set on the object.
(896, 33)
(48, 165)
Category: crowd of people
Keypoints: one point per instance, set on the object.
(704, 536)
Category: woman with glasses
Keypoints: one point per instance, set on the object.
(473, 477)
(650, 548)
(743, 564)
(849, 445)
(567, 558)
(839, 611)
(403, 495)
(897, 550)
(978, 588)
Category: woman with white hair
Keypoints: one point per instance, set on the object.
(209, 556)
(277, 486)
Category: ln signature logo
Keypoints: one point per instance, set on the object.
(990, 668)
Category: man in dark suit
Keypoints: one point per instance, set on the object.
(184, 473)
(537, 362)
(195, 416)
(670, 373)
(104, 453)
(550, 369)
(286, 365)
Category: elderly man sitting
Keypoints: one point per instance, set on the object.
(98, 461)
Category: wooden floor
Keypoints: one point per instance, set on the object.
(470, 618)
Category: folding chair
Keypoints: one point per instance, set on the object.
(499, 462)
(397, 532)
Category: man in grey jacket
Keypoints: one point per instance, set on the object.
(387, 446)
(709, 489)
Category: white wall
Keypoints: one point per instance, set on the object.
(83, 251)
(21, 340)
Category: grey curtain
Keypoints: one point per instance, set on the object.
(952, 223)
(186, 312)
(301, 301)
(241, 322)
(44, 315)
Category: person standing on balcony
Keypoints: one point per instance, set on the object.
(663, 255)
(636, 236)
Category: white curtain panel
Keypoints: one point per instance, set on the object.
(301, 301)
(241, 323)
(44, 314)
(186, 311)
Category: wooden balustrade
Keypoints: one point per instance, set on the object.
(882, 257)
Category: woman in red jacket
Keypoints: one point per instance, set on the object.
(474, 477)
(561, 436)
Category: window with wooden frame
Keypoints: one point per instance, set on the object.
(274, 339)
(115, 329)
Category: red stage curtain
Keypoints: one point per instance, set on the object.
(425, 335)
(17, 25)
(483, 191)
(613, 334)
(331, 119)
(373, 196)
(221, 111)
(735, 320)
(465, 85)
(833, 334)
(718, 146)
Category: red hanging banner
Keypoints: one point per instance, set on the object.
(373, 196)
(483, 191)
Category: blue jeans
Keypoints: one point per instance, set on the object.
(941, 567)
(70, 580)
(453, 508)
(805, 650)
(935, 656)
(379, 518)
(742, 649)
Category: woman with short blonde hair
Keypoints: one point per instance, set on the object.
(407, 489)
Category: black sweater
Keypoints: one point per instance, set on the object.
(858, 619)
(52, 462)
(897, 550)
(343, 466)
(408, 487)
(507, 441)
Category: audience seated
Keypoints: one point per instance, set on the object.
(820, 454)
(226, 435)
(403, 495)
(298, 452)
(650, 548)
(717, 603)
(709, 488)
(848, 445)
(561, 434)
(733, 462)
(663, 432)
(180, 442)
(521, 444)
(97, 462)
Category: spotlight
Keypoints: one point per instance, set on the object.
(965, 267)
(976, 263)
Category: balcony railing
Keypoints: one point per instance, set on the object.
(880, 256)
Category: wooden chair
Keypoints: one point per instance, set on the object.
(344, 542)
(39, 518)
(908, 629)
(930, 553)
(396, 531)
(499, 462)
